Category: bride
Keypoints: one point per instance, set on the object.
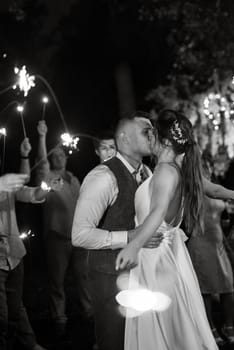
(174, 191)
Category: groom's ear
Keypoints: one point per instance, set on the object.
(123, 137)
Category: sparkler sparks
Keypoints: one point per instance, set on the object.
(45, 186)
(27, 234)
(69, 142)
(25, 81)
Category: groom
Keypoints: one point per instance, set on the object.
(104, 218)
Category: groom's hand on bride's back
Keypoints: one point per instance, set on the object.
(154, 241)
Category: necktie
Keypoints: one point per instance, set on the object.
(140, 175)
(144, 174)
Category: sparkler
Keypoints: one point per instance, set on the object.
(44, 100)
(25, 81)
(27, 234)
(70, 142)
(3, 133)
(54, 97)
(45, 186)
(66, 141)
(20, 109)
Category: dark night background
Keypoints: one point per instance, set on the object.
(76, 46)
(102, 58)
(105, 57)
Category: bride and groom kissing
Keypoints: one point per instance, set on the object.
(130, 226)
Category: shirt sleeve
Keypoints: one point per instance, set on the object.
(98, 191)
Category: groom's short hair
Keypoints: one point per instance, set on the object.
(130, 117)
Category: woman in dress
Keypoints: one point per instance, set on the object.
(212, 265)
(175, 190)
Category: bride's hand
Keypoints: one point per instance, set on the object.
(127, 258)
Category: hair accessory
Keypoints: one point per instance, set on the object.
(177, 133)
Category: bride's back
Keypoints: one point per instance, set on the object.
(144, 201)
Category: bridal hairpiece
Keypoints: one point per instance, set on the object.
(177, 133)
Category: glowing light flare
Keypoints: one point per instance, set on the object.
(122, 281)
(70, 142)
(142, 300)
(25, 81)
(3, 131)
(25, 235)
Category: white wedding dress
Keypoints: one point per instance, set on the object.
(167, 269)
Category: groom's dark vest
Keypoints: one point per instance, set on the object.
(120, 215)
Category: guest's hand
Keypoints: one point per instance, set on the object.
(12, 182)
(56, 184)
(25, 147)
(42, 128)
(155, 241)
(127, 257)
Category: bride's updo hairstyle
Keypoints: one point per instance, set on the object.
(175, 127)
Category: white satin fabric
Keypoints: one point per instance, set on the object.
(167, 269)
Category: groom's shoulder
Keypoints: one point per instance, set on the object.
(100, 172)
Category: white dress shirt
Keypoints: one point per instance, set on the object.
(98, 191)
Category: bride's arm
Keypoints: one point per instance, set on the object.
(164, 183)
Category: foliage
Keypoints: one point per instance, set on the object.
(200, 38)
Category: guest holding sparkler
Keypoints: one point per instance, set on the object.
(12, 251)
(25, 149)
(58, 215)
(25, 336)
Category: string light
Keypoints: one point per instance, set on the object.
(216, 106)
